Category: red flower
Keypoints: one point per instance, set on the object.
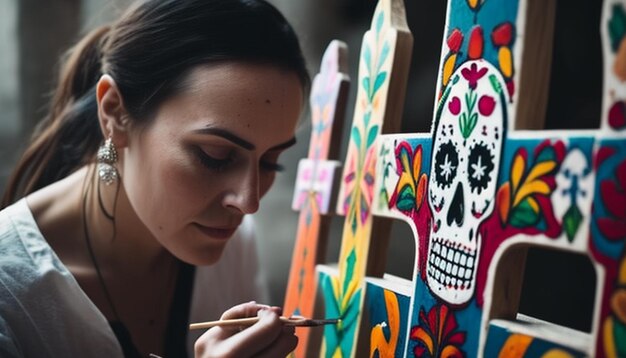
(617, 115)
(436, 335)
(455, 105)
(502, 35)
(614, 199)
(510, 87)
(486, 104)
(455, 40)
(473, 74)
(476, 43)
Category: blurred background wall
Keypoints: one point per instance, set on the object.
(33, 33)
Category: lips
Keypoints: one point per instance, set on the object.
(220, 233)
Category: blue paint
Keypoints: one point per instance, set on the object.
(511, 146)
(491, 14)
(537, 348)
(468, 319)
(376, 307)
(426, 144)
(340, 335)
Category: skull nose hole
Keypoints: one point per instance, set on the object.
(456, 210)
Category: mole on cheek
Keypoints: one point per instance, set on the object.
(268, 101)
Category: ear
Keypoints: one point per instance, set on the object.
(112, 114)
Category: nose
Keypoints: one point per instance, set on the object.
(244, 195)
(455, 212)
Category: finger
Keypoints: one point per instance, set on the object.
(239, 344)
(209, 340)
(248, 309)
(282, 346)
(259, 336)
(244, 310)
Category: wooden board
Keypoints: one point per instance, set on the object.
(477, 192)
(383, 72)
(315, 186)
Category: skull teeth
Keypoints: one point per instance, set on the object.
(451, 266)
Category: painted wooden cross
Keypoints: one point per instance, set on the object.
(314, 187)
(383, 72)
(477, 193)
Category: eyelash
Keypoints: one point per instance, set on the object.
(220, 164)
(211, 162)
(272, 167)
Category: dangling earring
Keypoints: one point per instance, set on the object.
(107, 156)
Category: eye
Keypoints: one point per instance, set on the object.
(269, 162)
(446, 163)
(213, 162)
(273, 167)
(479, 167)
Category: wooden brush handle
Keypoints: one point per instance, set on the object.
(247, 322)
(239, 322)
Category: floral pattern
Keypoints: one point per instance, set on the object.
(615, 324)
(358, 204)
(522, 198)
(437, 334)
(411, 187)
(485, 105)
(343, 295)
(613, 194)
(617, 115)
(613, 227)
(455, 40)
(617, 38)
(473, 74)
(338, 339)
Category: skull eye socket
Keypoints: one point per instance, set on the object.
(479, 167)
(446, 164)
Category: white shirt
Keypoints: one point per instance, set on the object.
(45, 313)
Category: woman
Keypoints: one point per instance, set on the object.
(164, 132)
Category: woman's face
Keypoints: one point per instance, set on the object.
(210, 154)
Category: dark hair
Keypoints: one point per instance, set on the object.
(148, 52)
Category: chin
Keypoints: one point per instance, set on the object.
(198, 248)
(203, 257)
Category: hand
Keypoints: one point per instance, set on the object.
(266, 338)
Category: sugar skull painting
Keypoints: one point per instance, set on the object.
(463, 177)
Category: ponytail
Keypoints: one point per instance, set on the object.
(68, 137)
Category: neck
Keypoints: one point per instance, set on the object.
(117, 234)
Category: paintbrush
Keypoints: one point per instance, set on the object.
(295, 321)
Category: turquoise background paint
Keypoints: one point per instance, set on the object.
(377, 309)
(537, 348)
(491, 14)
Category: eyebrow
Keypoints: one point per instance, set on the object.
(220, 132)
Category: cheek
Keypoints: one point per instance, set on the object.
(165, 188)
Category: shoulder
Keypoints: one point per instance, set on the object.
(23, 249)
(41, 304)
(21, 242)
(28, 265)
